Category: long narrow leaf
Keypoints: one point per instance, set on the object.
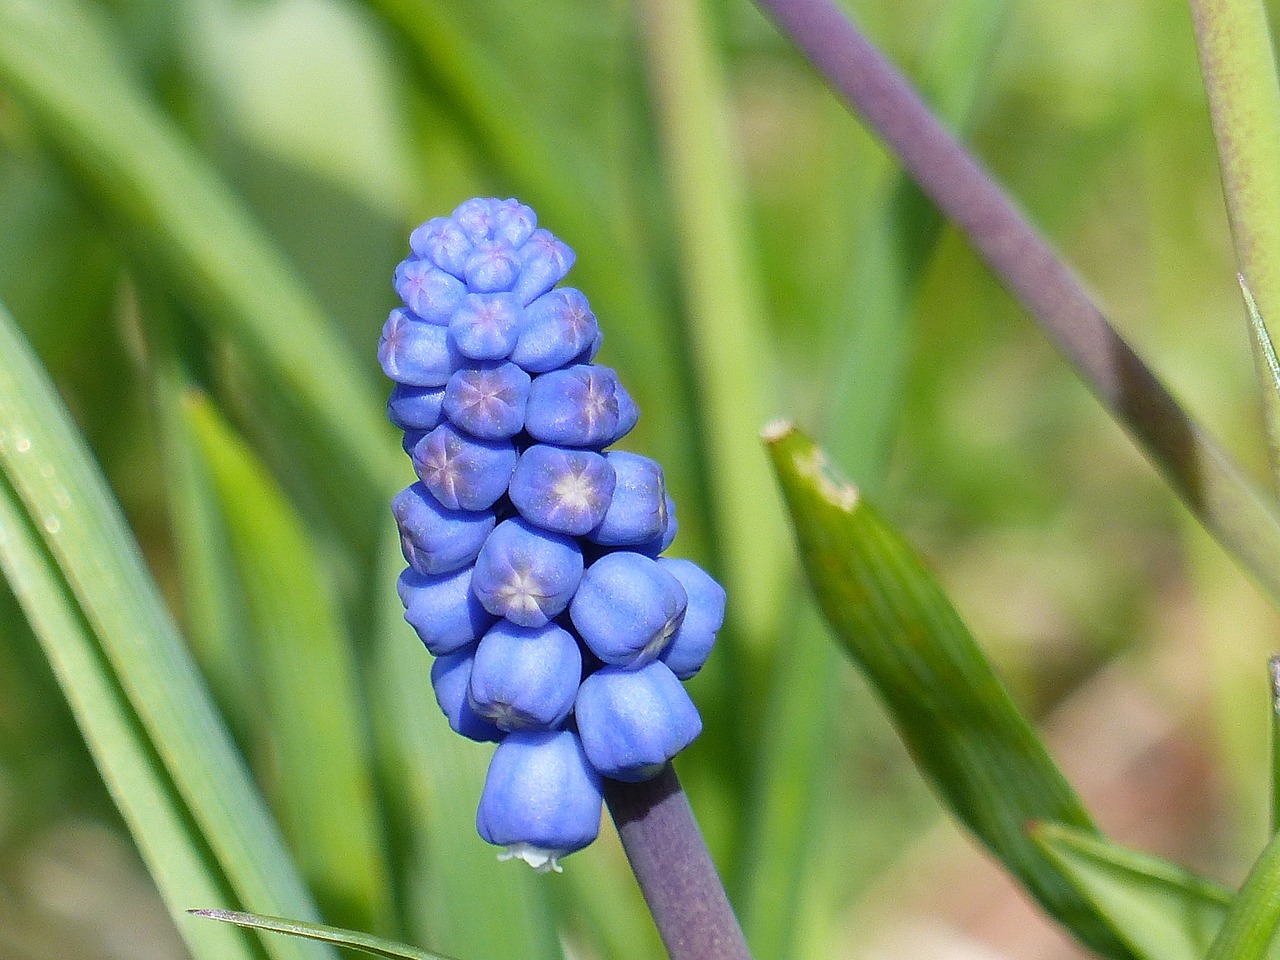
(58, 59)
(949, 706)
(1249, 928)
(726, 322)
(375, 946)
(1268, 369)
(1160, 911)
(135, 648)
(1238, 64)
(320, 771)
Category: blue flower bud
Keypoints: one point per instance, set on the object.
(513, 222)
(444, 243)
(443, 610)
(486, 325)
(544, 261)
(451, 679)
(475, 217)
(628, 413)
(415, 352)
(434, 538)
(574, 407)
(633, 721)
(627, 608)
(415, 408)
(525, 677)
(412, 437)
(461, 471)
(558, 327)
(526, 574)
(637, 513)
(541, 798)
(428, 291)
(491, 267)
(658, 544)
(560, 489)
(488, 400)
(691, 644)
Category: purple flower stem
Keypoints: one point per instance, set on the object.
(1204, 477)
(674, 869)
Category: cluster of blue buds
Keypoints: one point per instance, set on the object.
(535, 572)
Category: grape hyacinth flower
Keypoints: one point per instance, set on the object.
(536, 576)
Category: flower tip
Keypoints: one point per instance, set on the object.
(541, 859)
(776, 430)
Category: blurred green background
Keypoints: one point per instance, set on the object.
(750, 253)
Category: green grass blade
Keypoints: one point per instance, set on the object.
(318, 763)
(136, 651)
(1268, 368)
(471, 905)
(951, 710)
(1239, 69)
(58, 61)
(215, 615)
(1160, 911)
(726, 324)
(376, 946)
(1248, 930)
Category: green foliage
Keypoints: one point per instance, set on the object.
(201, 204)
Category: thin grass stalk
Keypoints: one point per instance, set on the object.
(1199, 471)
(1239, 69)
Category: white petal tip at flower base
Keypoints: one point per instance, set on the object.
(533, 551)
(542, 861)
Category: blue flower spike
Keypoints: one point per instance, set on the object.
(536, 577)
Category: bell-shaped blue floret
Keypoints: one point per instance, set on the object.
(526, 574)
(541, 799)
(544, 262)
(628, 413)
(562, 489)
(558, 326)
(574, 407)
(637, 513)
(443, 610)
(512, 222)
(633, 721)
(442, 242)
(434, 538)
(492, 267)
(415, 408)
(486, 325)
(415, 352)
(487, 400)
(475, 217)
(461, 471)
(525, 677)
(451, 679)
(651, 548)
(431, 293)
(627, 608)
(703, 617)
